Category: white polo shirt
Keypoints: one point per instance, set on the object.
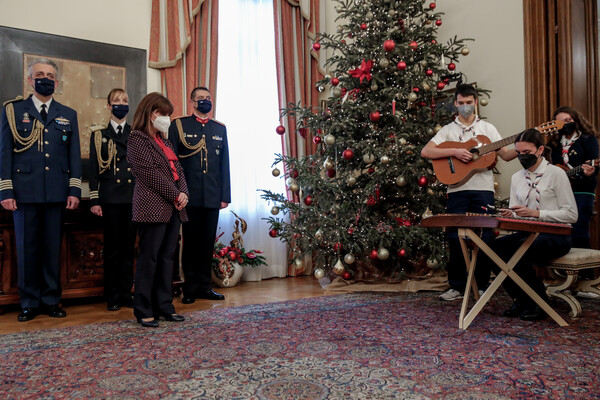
(457, 132)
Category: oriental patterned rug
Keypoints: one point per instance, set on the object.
(349, 346)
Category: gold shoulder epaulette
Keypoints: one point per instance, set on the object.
(219, 122)
(12, 100)
(98, 127)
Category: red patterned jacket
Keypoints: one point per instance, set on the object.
(155, 189)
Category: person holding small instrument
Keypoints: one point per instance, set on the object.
(542, 191)
(472, 195)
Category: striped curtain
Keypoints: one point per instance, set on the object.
(296, 27)
(183, 45)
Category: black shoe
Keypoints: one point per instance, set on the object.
(173, 317)
(533, 313)
(27, 314)
(514, 310)
(55, 311)
(113, 307)
(188, 300)
(210, 295)
(148, 324)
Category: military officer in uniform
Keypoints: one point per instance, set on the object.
(40, 176)
(111, 192)
(201, 146)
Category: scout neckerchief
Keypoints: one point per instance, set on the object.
(533, 185)
(566, 145)
(466, 129)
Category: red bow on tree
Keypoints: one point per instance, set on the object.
(363, 71)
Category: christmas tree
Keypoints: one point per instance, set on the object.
(355, 205)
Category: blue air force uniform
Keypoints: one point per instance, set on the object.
(202, 149)
(111, 187)
(40, 166)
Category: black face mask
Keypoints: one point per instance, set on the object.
(204, 106)
(527, 160)
(44, 86)
(120, 110)
(568, 129)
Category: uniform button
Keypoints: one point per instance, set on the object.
(46, 130)
(118, 159)
(128, 180)
(18, 170)
(118, 181)
(46, 142)
(128, 169)
(47, 155)
(47, 168)
(118, 169)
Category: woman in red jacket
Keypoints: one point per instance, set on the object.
(160, 195)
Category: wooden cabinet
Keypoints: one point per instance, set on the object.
(80, 262)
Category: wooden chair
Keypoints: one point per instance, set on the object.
(567, 267)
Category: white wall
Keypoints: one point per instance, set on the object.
(119, 22)
(496, 60)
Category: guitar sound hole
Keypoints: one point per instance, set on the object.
(475, 153)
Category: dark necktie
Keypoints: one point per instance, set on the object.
(119, 130)
(43, 113)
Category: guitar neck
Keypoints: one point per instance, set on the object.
(497, 145)
(579, 168)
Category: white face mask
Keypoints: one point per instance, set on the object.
(162, 124)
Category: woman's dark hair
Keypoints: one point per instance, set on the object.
(534, 137)
(582, 124)
(150, 103)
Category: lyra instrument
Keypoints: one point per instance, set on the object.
(452, 171)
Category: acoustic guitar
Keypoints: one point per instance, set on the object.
(452, 171)
(579, 168)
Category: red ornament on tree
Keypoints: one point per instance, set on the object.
(308, 200)
(348, 154)
(337, 246)
(316, 46)
(363, 26)
(441, 85)
(422, 182)
(280, 130)
(346, 275)
(373, 254)
(331, 173)
(302, 132)
(401, 65)
(389, 45)
(371, 170)
(413, 45)
(375, 115)
(294, 173)
(433, 41)
(432, 6)
(273, 233)
(401, 253)
(429, 72)
(451, 66)
(317, 139)
(335, 81)
(438, 22)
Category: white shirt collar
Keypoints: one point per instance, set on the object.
(38, 104)
(115, 125)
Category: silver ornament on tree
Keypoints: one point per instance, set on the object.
(328, 164)
(337, 92)
(338, 268)
(374, 87)
(383, 253)
(412, 96)
(432, 263)
(298, 264)
(402, 141)
(401, 181)
(385, 159)
(351, 180)
(423, 63)
(349, 258)
(384, 63)
(290, 181)
(483, 102)
(274, 210)
(465, 51)
(330, 139)
(321, 89)
(369, 158)
(319, 273)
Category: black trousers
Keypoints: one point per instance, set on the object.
(119, 248)
(38, 232)
(544, 248)
(199, 235)
(153, 293)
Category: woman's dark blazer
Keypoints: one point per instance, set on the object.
(155, 190)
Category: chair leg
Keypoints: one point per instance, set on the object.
(557, 291)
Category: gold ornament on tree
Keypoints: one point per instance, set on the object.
(330, 139)
(276, 172)
(349, 258)
(338, 268)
